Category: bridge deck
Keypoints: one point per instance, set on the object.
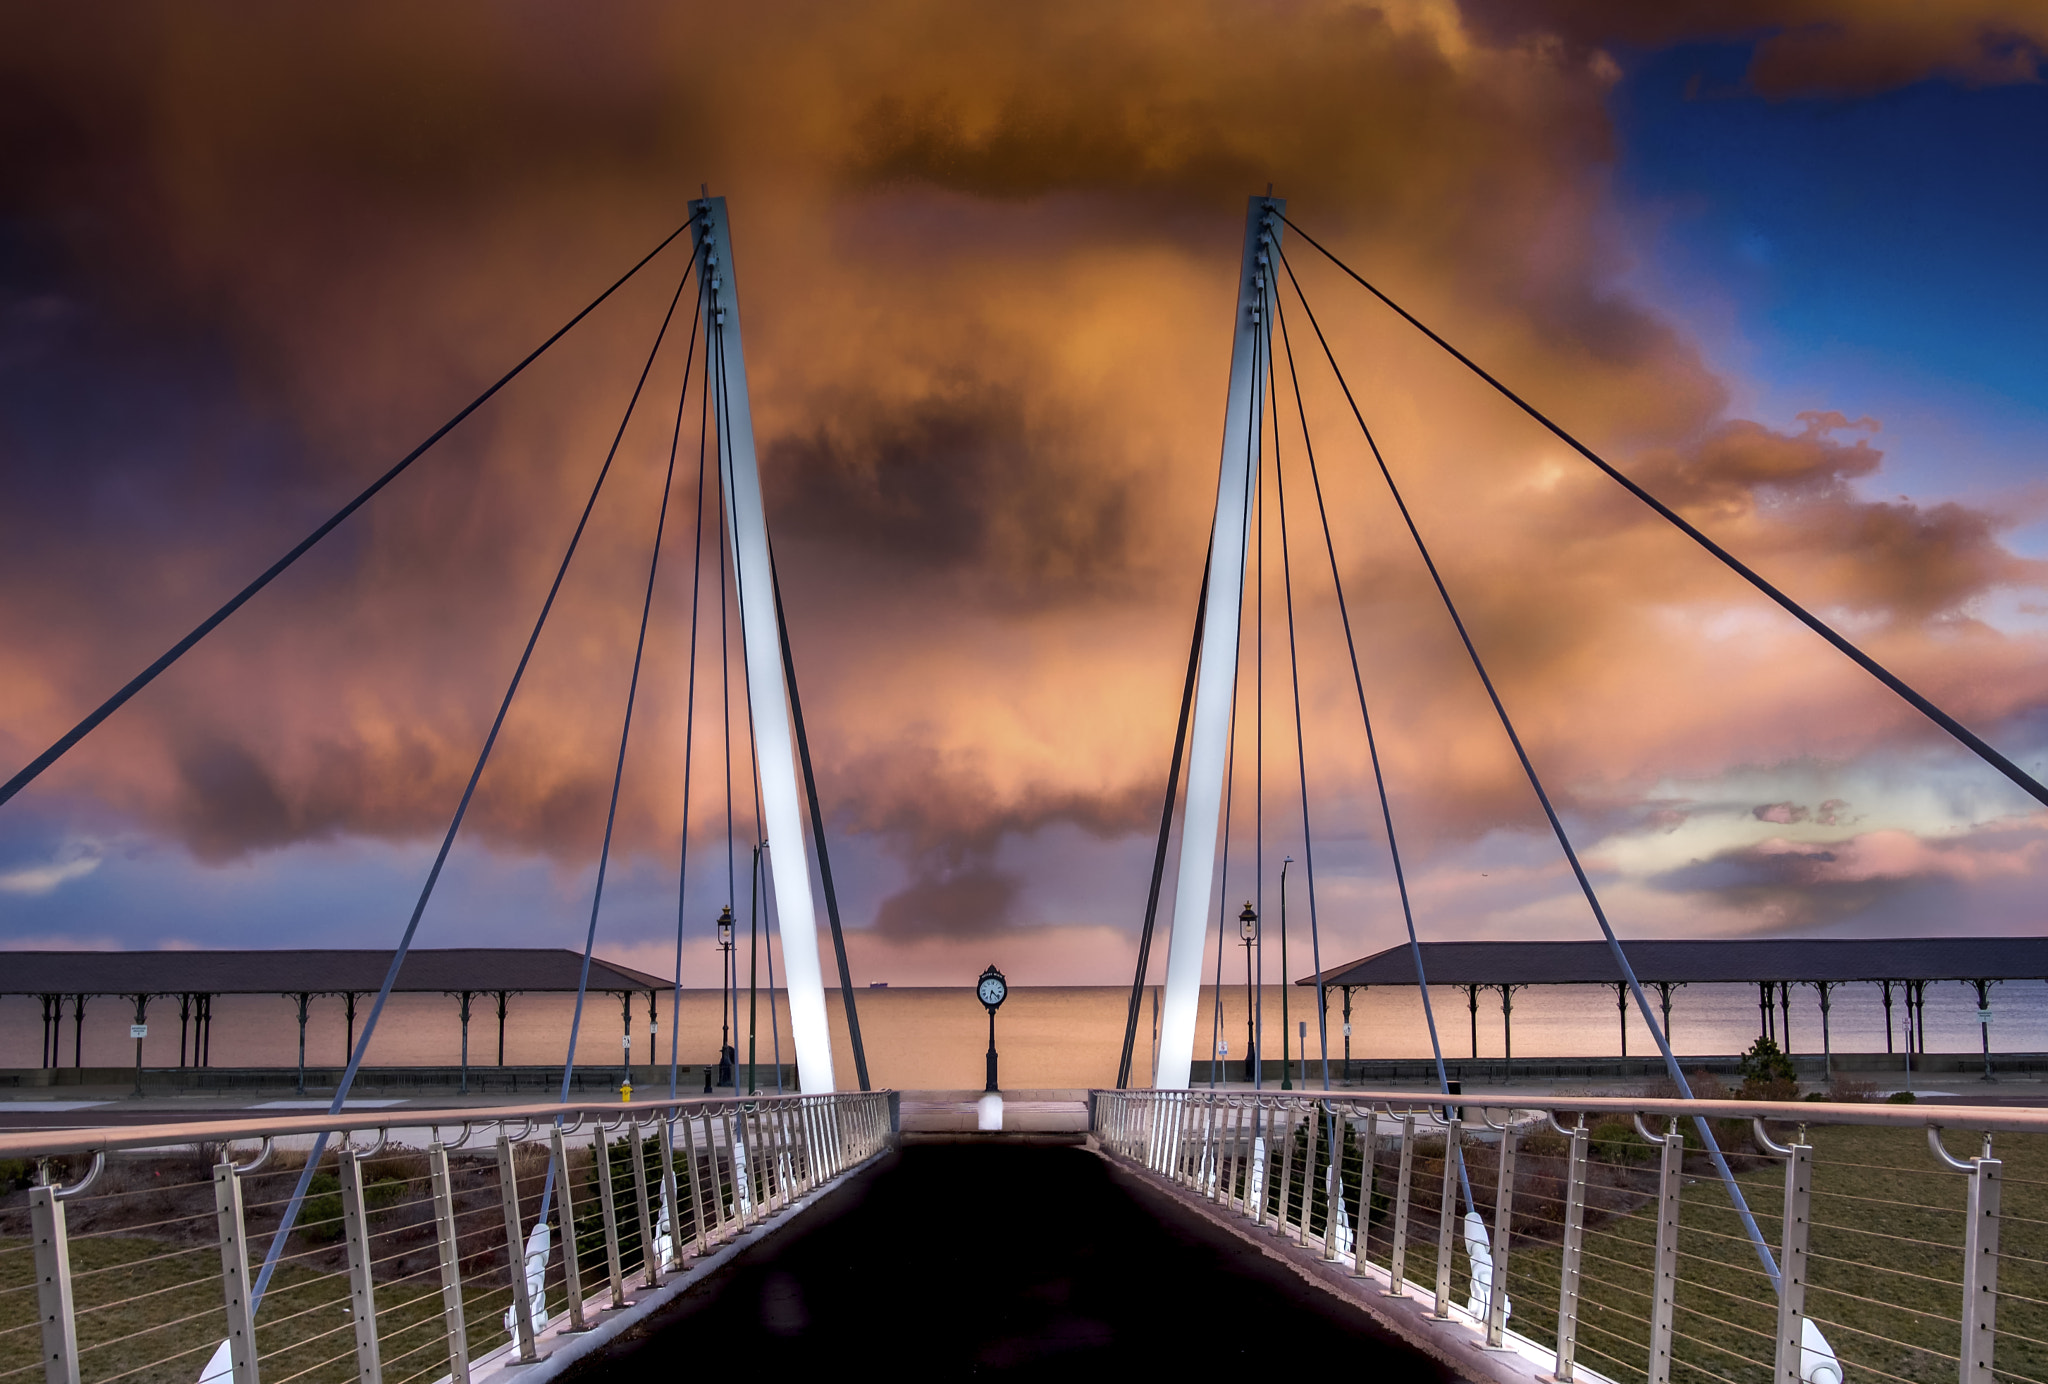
(1004, 1259)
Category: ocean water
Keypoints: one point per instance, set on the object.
(1046, 1036)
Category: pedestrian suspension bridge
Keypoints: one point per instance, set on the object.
(1485, 1235)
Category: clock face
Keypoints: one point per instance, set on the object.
(991, 990)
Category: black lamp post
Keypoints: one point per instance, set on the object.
(992, 990)
(1248, 930)
(1286, 1079)
(725, 989)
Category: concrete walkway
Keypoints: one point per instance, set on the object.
(991, 1258)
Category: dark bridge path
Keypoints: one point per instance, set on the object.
(1003, 1259)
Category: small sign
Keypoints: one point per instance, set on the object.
(1224, 1050)
(1347, 1029)
(138, 1030)
(626, 1043)
(1983, 1016)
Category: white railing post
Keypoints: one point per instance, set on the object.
(1286, 1173)
(362, 1288)
(1368, 1150)
(234, 1273)
(1980, 1272)
(53, 1286)
(1447, 1218)
(671, 1204)
(1574, 1247)
(1792, 1264)
(1404, 1188)
(448, 1251)
(515, 1251)
(565, 1216)
(650, 1264)
(1503, 1219)
(696, 1183)
(608, 1203)
(1664, 1288)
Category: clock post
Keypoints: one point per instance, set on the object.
(992, 990)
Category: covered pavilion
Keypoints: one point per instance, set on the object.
(194, 978)
(1773, 965)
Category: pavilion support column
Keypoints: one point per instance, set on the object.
(1216, 684)
(1664, 989)
(305, 1001)
(1507, 1022)
(348, 1003)
(1621, 1012)
(503, 996)
(1984, 1020)
(626, 1039)
(205, 1038)
(184, 1026)
(1347, 1028)
(53, 1029)
(1886, 987)
(141, 1029)
(1785, 1015)
(77, 1031)
(463, 999)
(1472, 1007)
(1827, 1049)
(1765, 1029)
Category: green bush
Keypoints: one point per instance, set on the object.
(1616, 1141)
(320, 1215)
(16, 1173)
(1767, 1073)
(1901, 1098)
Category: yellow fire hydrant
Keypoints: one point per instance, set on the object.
(626, 1091)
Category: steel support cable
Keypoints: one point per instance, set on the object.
(803, 751)
(205, 627)
(675, 1024)
(1308, 840)
(1571, 855)
(611, 814)
(2033, 787)
(1180, 740)
(355, 1061)
(1372, 747)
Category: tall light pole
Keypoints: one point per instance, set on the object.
(725, 987)
(1248, 929)
(1286, 1078)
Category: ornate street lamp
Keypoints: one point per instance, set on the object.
(726, 997)
(1248, 931)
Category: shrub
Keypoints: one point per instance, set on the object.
(320, 1215)
(1616, 1141)
(1901, 1098)
(1850, 1091)
(1767, 1074)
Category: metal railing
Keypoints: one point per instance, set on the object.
(429, 1241)
(1848, 1242)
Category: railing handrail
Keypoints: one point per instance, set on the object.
(2000, 1118)
(107, 1138)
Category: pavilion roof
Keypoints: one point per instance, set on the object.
(1719, 959)
(327, 972)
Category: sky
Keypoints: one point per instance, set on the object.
(1776, 261)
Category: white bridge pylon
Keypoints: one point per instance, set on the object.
(1216, 683)
(761, 635)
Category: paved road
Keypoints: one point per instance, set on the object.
(1023, 1262)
